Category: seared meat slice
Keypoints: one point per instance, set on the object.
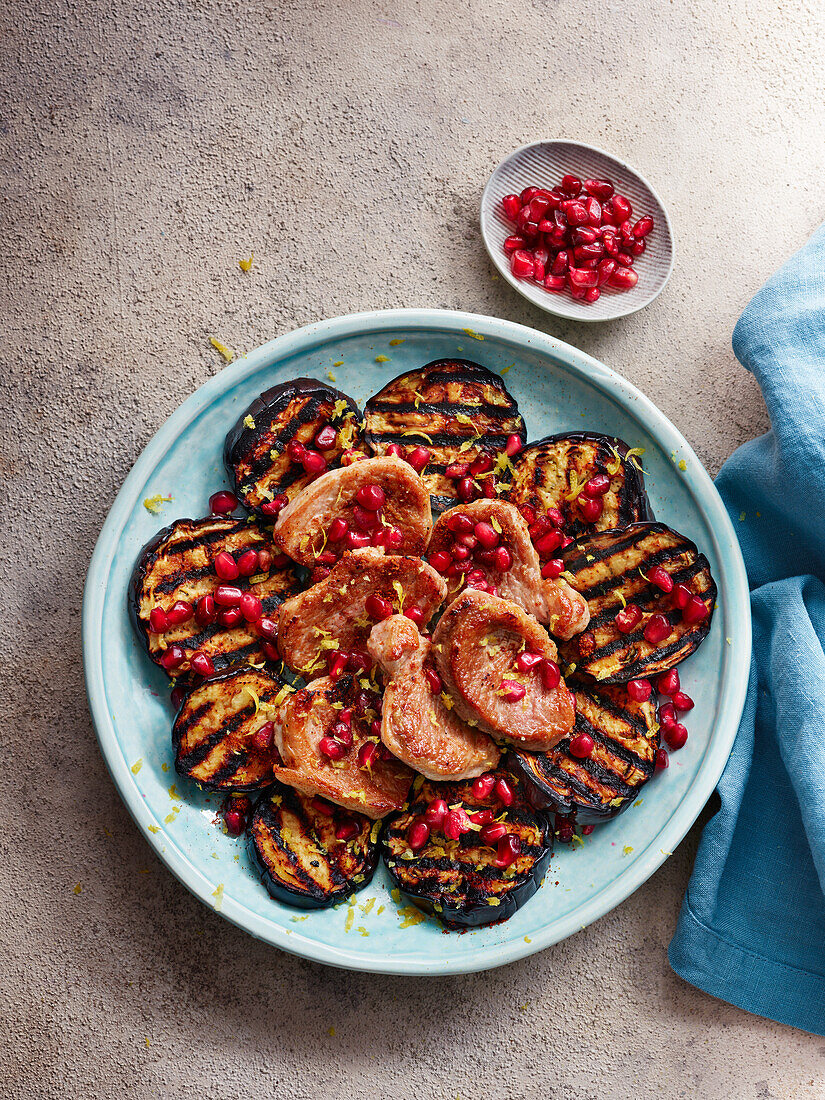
(333, 614)
(502, 557)
(308, 721)
(402, 520)
(416, 724)
(477, 643)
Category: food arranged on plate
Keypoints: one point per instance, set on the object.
(576, 238)
(450, 696)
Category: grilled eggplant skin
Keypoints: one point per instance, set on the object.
(455, 408)
(178, 563)
(300, 860)
(458, 881)
(256, 456)
(547, 472)
(610, 570)
(626, 737)
(213, 730)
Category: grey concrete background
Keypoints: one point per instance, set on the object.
(146, 148)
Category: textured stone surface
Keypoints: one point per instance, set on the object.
(146, 148)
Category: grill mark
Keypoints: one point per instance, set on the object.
(273, 826)
(436, 439)
(617, 580)
(615, 545)
(193, 542)
(183, 726)
(446, 408)
(231, 767)
(616, 786)
(625, 754)
(647, 598)
(183, 576)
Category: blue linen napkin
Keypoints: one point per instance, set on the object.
(752, 926)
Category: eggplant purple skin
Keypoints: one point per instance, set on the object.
(295, 899)
(270, 402)
(136, 581)
(544, 800)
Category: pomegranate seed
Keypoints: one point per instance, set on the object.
(483, 786)
(326, 557)
(657, 629)
(597, 486)
(343, 733)
(599, 189)
(586, 234)
(605, 270)
(158, 620)
(489, 489)
(467, 490)
(621, 209)
(587, 829)
(268, 628)
(571, 184)
(611, 247)
(681, 596)
(538, 265)
(372, 497)
(176, 697)
(377, 607)
(576, 212)
(513, 445)
(357, 663)
(662, 759)
(395, 451)
(522, 264)
(643, 226)
(640, 690)
(552, 568)
(229, 617)
(527, 194)
(263, 737)
(226, 567)
(325, 438)
(511, 204)
(695, 610)
(415, 615)
(681, 701)
(347, 830)
(481, 464)
(433, 680)
(365, 518)
(582, 746)
(550, 675)
(460, 553)
(418, 458)
(508, 851)
(228, 595)
(583, 253)
(555, 282)
(594, 211)
(482, 817)
(491, 834)
(526, 661)
(486, 535)
(271, 651)
(564, 830)
(435, 813)
(512, 691)
(234, 821)
(668, 682)
(623, 278)
(456, 823)
(337, 529)
(222, 503)
(332, 749)
(273, 507)
(417, 835)
(628, 619)
(503, 559)
(661, 578)
(337, 666)
(457, 470)
(514, 242)
(314, 463)
(592, 295)
(459, 522)
(205, 610)
(675, 736)
(354, 540)
(172, 657)
(561, 262)
(581, 279)
(565, 542)
(504, 792)
(440, 561)
(251, 607)
(548, 543)
(367, 755)
(667, 715)
(202, 664)
(375, 727)
(296, 450)
(591, 508)
(637, 248)
(248, 563)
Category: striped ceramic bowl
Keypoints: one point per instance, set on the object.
(542, 164)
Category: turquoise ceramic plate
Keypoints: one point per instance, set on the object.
(558, 388)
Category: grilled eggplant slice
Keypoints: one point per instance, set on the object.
(459, 880)
(214, 732)
(302, 862)
(178, 566)
(255, 451)
(553, 472)
(458, 410)
(612, 570)
(626, 736)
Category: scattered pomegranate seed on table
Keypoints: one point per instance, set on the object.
(575, 238)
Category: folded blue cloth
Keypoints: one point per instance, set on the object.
(752, 926)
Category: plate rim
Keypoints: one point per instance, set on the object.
(552, 306)
(734, 597)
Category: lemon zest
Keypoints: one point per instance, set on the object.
(154, 504)
(226, 353)
(245, 265)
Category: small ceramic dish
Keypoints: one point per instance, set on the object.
(542, 164)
